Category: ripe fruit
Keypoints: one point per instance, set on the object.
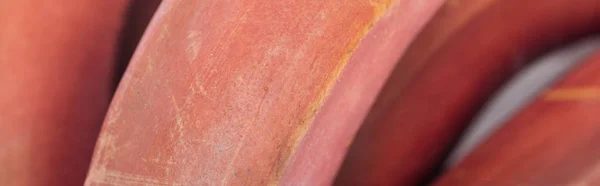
(402, 144)
(223, 92)
(56, 80)
(552, 142)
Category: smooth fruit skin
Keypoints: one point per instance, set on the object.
(452, 16)
(56, 81)
(554, 141)
(520, 91)
(223, 92)
(320, 154)
(137, 17)
(405, 142)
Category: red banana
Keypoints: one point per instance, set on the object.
(552, 142)
(402, 143)
(242, 92)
